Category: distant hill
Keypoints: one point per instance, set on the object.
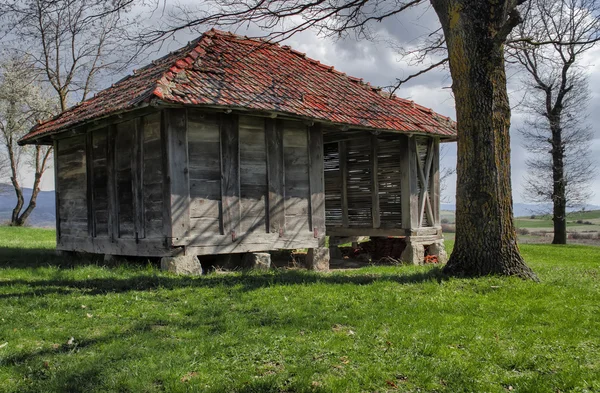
(526, 209)
(42, 216)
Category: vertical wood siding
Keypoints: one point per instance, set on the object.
(72, 185)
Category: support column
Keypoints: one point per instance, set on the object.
(257, 260)
(418, 247)
(318, 258)
(409, 185)
(182, 264)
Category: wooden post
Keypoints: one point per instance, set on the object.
(166, 188)
(230, 175)
(56, 192)
(409, 188)
(176, 123)
(424, 174)
(375, 211)
(344, 175)
(111, 178)
(435, 182)
(89, 176)
(275, 175)
(317, 180)
(137, 164)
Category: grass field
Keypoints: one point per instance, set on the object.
(79, 326)
(588, 221)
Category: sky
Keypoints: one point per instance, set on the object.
(376, 62)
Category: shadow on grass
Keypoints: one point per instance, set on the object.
(19, 259)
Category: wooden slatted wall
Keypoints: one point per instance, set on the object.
(389, 178)
(297, 185)
(204, 152)
(333, 185)
(254, 190)
(152, 177)
(71, 185)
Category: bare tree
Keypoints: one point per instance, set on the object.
(74, 43)
(475, 33)
(557, 95)
(70, 46)
(23, 102)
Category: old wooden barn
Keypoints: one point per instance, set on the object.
(235, 145)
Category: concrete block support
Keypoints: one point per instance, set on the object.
(318, 259)
(414, 253)
(183, 264)
(439, 249)
(416, 247)
(257, 260)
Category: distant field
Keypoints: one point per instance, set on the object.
(73, 325)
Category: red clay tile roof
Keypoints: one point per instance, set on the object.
(226, 70)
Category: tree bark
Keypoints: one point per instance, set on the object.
(559, 214)
(486, 241)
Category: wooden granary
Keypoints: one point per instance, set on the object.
(236, 145)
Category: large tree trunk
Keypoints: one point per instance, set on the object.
(559, 200)
(486, 241)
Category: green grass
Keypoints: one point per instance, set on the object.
(378, 329)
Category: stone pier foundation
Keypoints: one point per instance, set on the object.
(183, 264)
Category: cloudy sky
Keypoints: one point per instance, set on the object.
(376, 62)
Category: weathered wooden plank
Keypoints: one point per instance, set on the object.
(410, 194)
(206, 189)
(204, 208)
(297, 224)
(99, 181)
(137, 169)
(230, 175)
(56, 192)
(434, 185)
(113, 215)
(144, 247)
(178, 172)
(89, 160)
(344, 179)
(153, 172)
(253, 223)
(269, 241)
(72, 182)
(375, 210)
(202, 121)
(424, 174)
(166, 221)
(124, 149)
(317, 180)
(202, 227)
(275, 175)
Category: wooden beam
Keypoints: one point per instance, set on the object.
(230, 175)
(275, 175)
(317, 180)
(137, 168)
(89, 177)
(176, 122)
(435, 182)
(424, 175)
(166, 214)
(409, 187)
(56, 192)
(344, 181)
(111, 178)
(375, 211)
